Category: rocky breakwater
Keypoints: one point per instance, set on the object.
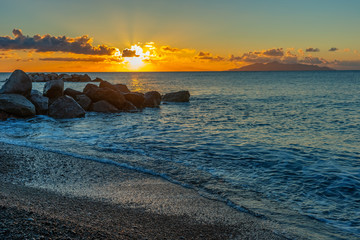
(17, 99)
(46, 77)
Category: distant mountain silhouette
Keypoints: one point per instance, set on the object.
(276, 66)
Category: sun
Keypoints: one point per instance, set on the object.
(137, 62)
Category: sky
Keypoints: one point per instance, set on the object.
(169, 35)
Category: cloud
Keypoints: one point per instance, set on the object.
(92, 59)
(312, 50)
(208, 56)
(333, 49)
(129, 53)
(274, 52)
(48, 43)
(168, 49)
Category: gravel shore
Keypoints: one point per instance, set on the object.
(46, 195)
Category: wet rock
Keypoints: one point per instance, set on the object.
(66, 107)
(117, 87)
(135, 98)
(80, 78)
(18, 83)
(54, 88)
(122, 88)
(84, 101)
(40, 102)
(152, 99)
(97, 80)
(181, 96)
(96, 94)
(129, 107)
(71, 92)
(17, 105)
(103, 106)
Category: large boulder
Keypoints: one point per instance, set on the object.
(54, 88)
(18, 83)
(129, 107)
(16, 104)
(72, 92)
(40, 102)
(152, 99)
(103, 106)
(181, 96)
(84, 101)
(117, 87)
(80, 78)
(66, 107)
(135, 98)
(96, 94)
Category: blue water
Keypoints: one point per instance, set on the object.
(284, 146)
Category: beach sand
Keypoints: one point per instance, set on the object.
(50, 195)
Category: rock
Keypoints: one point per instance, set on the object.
(122, 88)
(65, 77)
(129, 107)
(40, 102)
(152, 99)
(103, 106)
(53, 76)
(54, 88)
(71, 92)
(117, 87)
(16, 104)
(4, 116)
(18, 83)
(80, 78)
(181, 96)
(96, 94)
(89, 87)
(66, 107)
(135, 98)
(84, 101)
(97, 80)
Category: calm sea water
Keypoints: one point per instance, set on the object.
(281, 145)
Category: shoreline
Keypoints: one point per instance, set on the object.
(79, 199)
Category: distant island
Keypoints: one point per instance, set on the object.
(276, 66)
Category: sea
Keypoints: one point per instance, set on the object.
(282, 146)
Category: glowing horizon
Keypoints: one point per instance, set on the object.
(139, 36)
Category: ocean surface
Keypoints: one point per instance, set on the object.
(283, 146)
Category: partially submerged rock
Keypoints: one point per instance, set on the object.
(135, 98)
(97, 94)
(116, 87)
(84, 101)
(16, 104)
(40, 102)
(72, 92)
(18, 83)
(181, 96)
(54, 88)
(152, 99)
(103, 106)
(66, 107)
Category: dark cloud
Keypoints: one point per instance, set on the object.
(48, 43)
(333, 49)
(170, 49)
(312, 50)
(208, 56)
(274, 52)
(129, 53)
(93, 59)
